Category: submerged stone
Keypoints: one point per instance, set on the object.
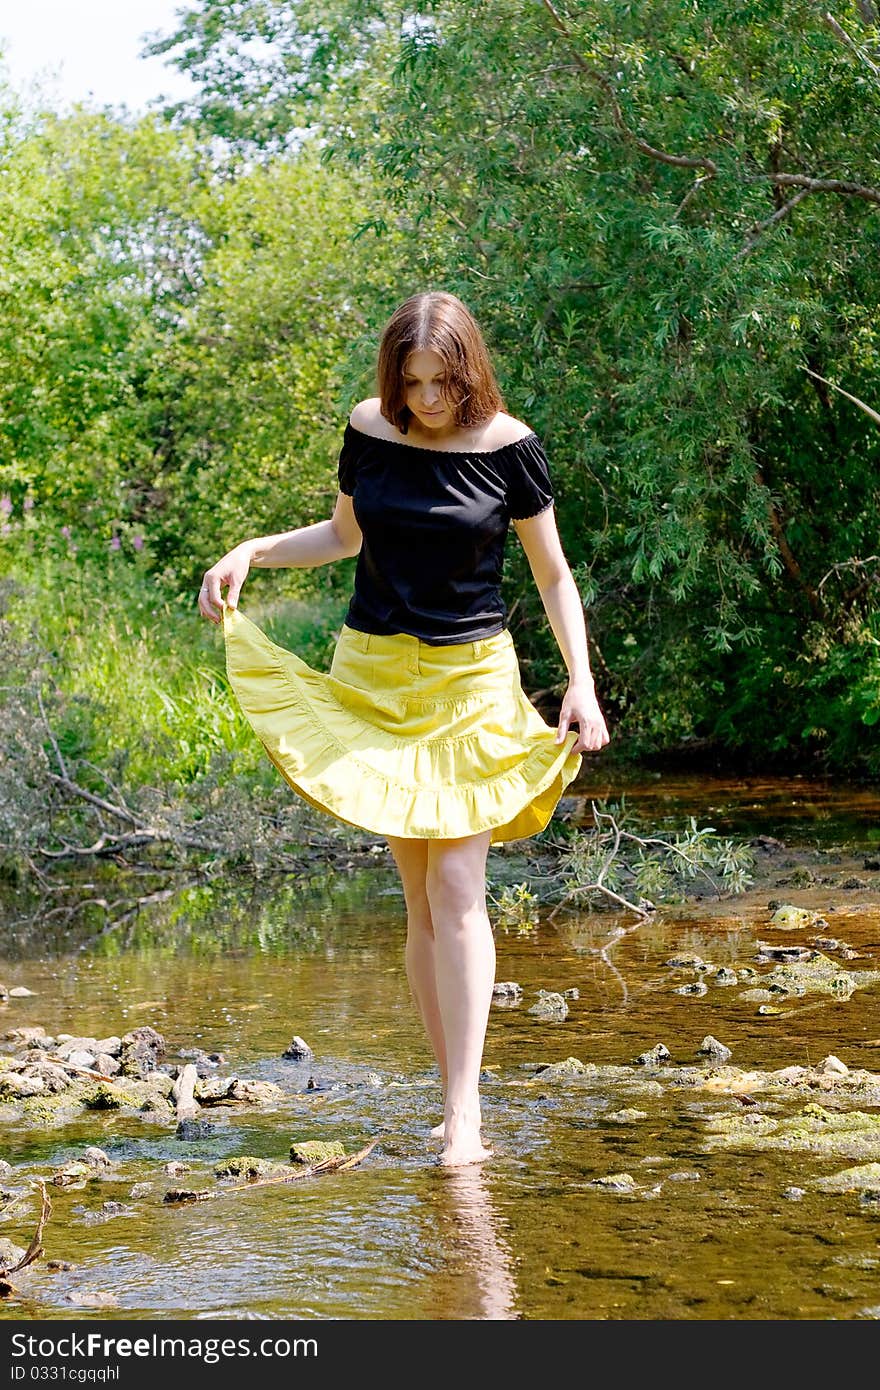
(29, 1037)
(72, 1173)
(189, 1130)
(15, 1086)
(550, 1006)
(789, 918)
(140, 1051)
(246, 1166)
(833, 1066)
(866, 1176)
(558, 1071)
(314, 1151)
(849, 1134)
(254, 1092)
(105, 1096)
(10, 1253)
(616, 1182)
(725, 976)
(819, 975)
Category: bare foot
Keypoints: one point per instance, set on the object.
(465, 1149)
(461, 1137)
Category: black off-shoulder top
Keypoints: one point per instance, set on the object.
(434, 525)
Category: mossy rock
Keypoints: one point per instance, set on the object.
(104, 1096)
(73, 1173)
(558, 1071)
(864, 1178)
(246, 1166)
(615, 1182)
(850, 1134)
(314, 1151)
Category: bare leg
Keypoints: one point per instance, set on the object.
(464, 965)
(411, 858)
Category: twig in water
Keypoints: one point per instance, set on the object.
(179, 1197)
(34, 1250)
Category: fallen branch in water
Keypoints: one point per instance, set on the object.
(144, 834)
(607, 862)
(34, 1250)
(184, 1197)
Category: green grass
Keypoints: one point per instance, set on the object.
(140, 690)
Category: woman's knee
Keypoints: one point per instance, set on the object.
(455, 884)
(411, 859)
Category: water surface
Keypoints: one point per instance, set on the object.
(239, 968)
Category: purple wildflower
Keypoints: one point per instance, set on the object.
(65, 531)
(5, 505)
(28, 504)
(137, 542)
(115, 543)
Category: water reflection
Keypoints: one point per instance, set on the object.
(471, 1240)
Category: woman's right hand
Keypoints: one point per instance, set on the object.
(231, 570)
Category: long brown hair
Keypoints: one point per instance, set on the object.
(438, 322)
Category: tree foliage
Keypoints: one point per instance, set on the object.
(665, 217)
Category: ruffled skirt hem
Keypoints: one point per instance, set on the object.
(401, 738)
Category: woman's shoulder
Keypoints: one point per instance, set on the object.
(367, 417)
(504, 429)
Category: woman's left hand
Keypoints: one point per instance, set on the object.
(580, 707)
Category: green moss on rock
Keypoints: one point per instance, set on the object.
(246, 1166)
(312, 1151)
(105, 1096)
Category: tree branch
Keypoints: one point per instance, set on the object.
(760, 228)
(854, 190)
(788, 558)
(838, 569)
(840, 33)
(119, 811)
(679, 160)
(855, 400)
(52, 738)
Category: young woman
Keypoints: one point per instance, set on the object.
(421, 731)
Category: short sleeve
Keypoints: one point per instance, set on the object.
(529, 489)
(348, 458)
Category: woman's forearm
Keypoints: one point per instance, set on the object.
(319, 544)
(565, 613)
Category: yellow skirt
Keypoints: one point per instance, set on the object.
(402, 737)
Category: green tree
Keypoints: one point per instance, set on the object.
(253, 390)
(98, 255)
(666, 217)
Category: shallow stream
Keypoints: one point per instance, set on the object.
(718, 1220)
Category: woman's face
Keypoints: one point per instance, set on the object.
(424, 384)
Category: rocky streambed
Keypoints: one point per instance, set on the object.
(684, 1113)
